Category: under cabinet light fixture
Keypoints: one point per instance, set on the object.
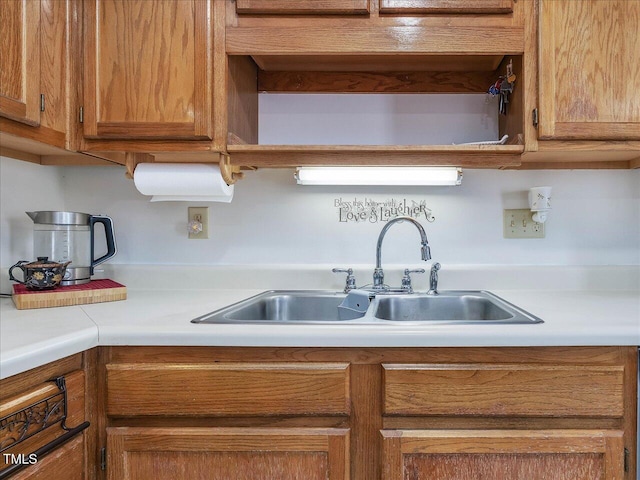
(409, 176)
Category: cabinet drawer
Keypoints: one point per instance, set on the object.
(446, 6)
(504, 390)
(306, 7)
(228, 389)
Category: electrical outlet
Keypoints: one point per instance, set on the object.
(518, 223)
(201, 215)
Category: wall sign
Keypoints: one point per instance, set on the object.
(374, 211)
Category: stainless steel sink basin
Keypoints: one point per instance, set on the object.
(280, 306)
(451, 307)
(321, 307)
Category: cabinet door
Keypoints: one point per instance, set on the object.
(503, 454)
(307, 7)
(217, 453)
(20, 60)
(446, 6)
(148, 69)
(589, 69)
(64, 463)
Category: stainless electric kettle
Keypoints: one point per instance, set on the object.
(70, 236)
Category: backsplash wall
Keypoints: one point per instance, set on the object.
(595, 219)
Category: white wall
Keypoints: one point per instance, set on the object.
(24, 187)
(595, 219)
(377, 119)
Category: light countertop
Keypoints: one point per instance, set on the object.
(30, 338)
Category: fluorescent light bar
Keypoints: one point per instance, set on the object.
(379, 176)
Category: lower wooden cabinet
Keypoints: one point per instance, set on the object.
(503, 454)
(43, 428)
(545, 413)
(65, 463)
(228, 453)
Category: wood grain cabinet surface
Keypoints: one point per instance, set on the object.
(20, 60)
(148, 69)
(227, 453)
(370, 413)
(503, 454)
(504, 390)
(589, 69)
(307, 7)
(36, 396)
(446, 6)
(228, 389)
(38, 67)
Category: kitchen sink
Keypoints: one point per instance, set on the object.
(451, 307)
(324, 307)
(281, 306)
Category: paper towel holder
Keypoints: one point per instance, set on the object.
(230, 173)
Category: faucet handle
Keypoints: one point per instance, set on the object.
(351, 279)
(406, 280)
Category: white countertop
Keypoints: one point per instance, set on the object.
(30, 338)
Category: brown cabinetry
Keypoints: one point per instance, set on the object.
(530, 454)
(148, 69)
(43, 432)
(37, 100)
(361, 414)
(248, 453)
(399, 47)
(217, 419)
(530, 435)
(307, 7)
(20, 72)
(523, 390)
(228, 389)
(446, 6)
(589, 70)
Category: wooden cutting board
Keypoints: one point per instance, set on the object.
(95, 291)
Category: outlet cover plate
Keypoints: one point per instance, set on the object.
(518, 223)
(203, 214)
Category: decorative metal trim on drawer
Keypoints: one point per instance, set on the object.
(34, 418)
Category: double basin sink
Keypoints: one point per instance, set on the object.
(328, 307)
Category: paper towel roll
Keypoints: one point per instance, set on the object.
(182, 182)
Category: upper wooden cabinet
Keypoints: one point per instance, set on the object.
(589, 69)
(148, 69)
(313, 7)
(38, 75)
(20, 60)
(446, 6)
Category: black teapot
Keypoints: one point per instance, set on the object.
(41, 274)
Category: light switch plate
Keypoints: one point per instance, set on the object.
(199, 214)
(518, 223)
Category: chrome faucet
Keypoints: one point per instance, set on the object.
(378, 273)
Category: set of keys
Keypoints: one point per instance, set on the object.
(504, 87)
